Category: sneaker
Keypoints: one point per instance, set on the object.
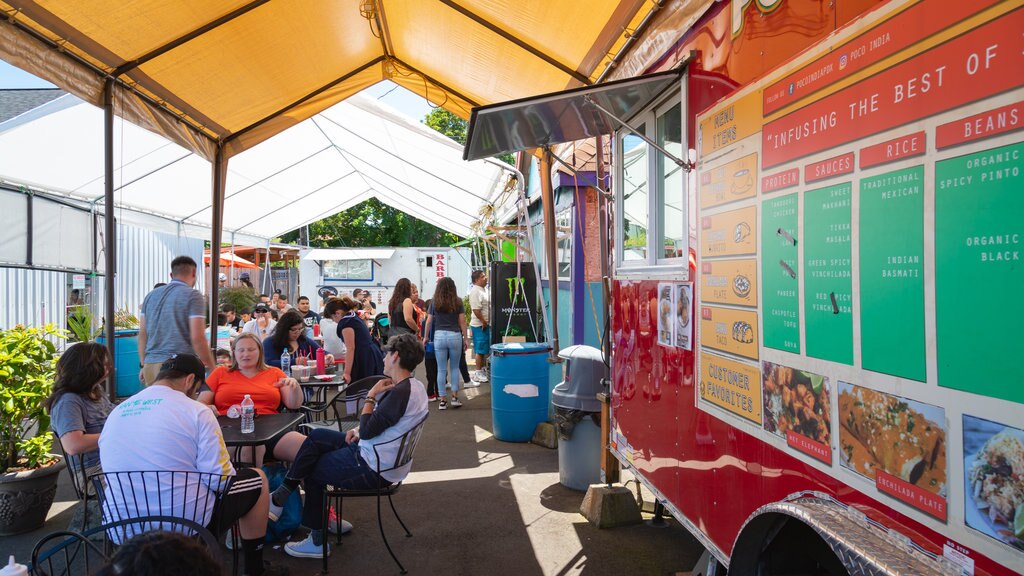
(456, 403)
(443, 405)
(481, 376)
(332, 525)
(275, 511)
(306, 549)
(432, 398)
(271, 569)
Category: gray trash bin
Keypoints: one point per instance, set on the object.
(578, 417)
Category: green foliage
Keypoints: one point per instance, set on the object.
(373, 223)
(80, 323)
(456, 128)
(27, 367)
(240, 297)
(124, 318)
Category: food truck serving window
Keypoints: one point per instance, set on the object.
(651, 190)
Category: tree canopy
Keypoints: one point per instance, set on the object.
(373, 223)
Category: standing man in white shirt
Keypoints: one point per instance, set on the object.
(480, 324)
(262, 325)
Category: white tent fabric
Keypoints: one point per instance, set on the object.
(321, 254)
(355, 150)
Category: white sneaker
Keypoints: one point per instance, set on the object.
(455, 402)
(275, 511)
(306, 549)
(479, 376)
(443, 405)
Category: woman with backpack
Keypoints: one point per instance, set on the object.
(447, 317)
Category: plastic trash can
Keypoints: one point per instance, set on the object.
(126, 361)
(578, 417)
(519, 389)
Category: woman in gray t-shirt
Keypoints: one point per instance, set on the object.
(78, 408)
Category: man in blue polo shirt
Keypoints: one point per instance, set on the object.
(173, 321)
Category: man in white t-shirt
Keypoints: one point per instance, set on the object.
(480, 323)
(262, 325)
(162, 430)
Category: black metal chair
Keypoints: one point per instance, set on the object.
(78, 552)
(128, 496)
(354, 392)
(406, 447)
(76, 469)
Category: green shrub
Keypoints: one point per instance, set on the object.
(27, 368)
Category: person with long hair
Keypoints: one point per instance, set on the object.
(362, 356)
(290, 335)
(268, 386)
(77, 405)
(402, 309)
(448, 319)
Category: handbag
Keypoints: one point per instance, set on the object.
(428, 348)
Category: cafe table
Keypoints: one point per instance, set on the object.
(267, 428)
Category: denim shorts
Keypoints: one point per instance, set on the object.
(481, 340)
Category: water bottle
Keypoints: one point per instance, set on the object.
(286, 362)
(248, 415)
(13, 568)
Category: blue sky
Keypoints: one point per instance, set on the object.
(413, 106)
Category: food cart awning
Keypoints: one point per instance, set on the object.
(240, 71)
(325, 254)
(560, 117)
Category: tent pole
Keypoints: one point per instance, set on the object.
(547, 196)
(110, 228)
(220, 165)
(232, 257)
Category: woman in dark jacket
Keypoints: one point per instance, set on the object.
(290, 335)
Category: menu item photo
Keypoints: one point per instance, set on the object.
(994, 470)
(902, 437)
(797, 401)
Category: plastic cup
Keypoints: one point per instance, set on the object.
(234, 411)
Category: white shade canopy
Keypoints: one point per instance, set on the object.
(351, 152)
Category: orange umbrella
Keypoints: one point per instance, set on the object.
(226, 258)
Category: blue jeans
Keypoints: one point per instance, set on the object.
(447, 348)
(325, 458)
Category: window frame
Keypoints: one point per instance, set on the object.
(655, 264)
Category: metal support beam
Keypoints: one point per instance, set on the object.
(220, 172)
(581, 78)
(678, 161)
(547, 197)
(110, 227)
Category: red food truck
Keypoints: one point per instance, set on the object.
(815, 279)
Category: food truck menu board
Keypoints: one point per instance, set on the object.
(886, 227)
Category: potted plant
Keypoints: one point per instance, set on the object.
(28, 472)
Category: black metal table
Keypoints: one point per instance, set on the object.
(268, 427)
(315, 391)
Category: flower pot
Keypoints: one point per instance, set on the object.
(26, 497)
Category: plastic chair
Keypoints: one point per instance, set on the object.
(78, 553)
(407, 446)
(128, 496)
(356, 392)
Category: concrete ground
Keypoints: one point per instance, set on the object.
(475, 505)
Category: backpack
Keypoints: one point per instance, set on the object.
(291, 516)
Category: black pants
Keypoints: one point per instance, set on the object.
(430, 365)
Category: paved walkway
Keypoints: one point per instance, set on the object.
(475, 506)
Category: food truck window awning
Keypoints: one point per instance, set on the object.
(325, 254)
(560, 117)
